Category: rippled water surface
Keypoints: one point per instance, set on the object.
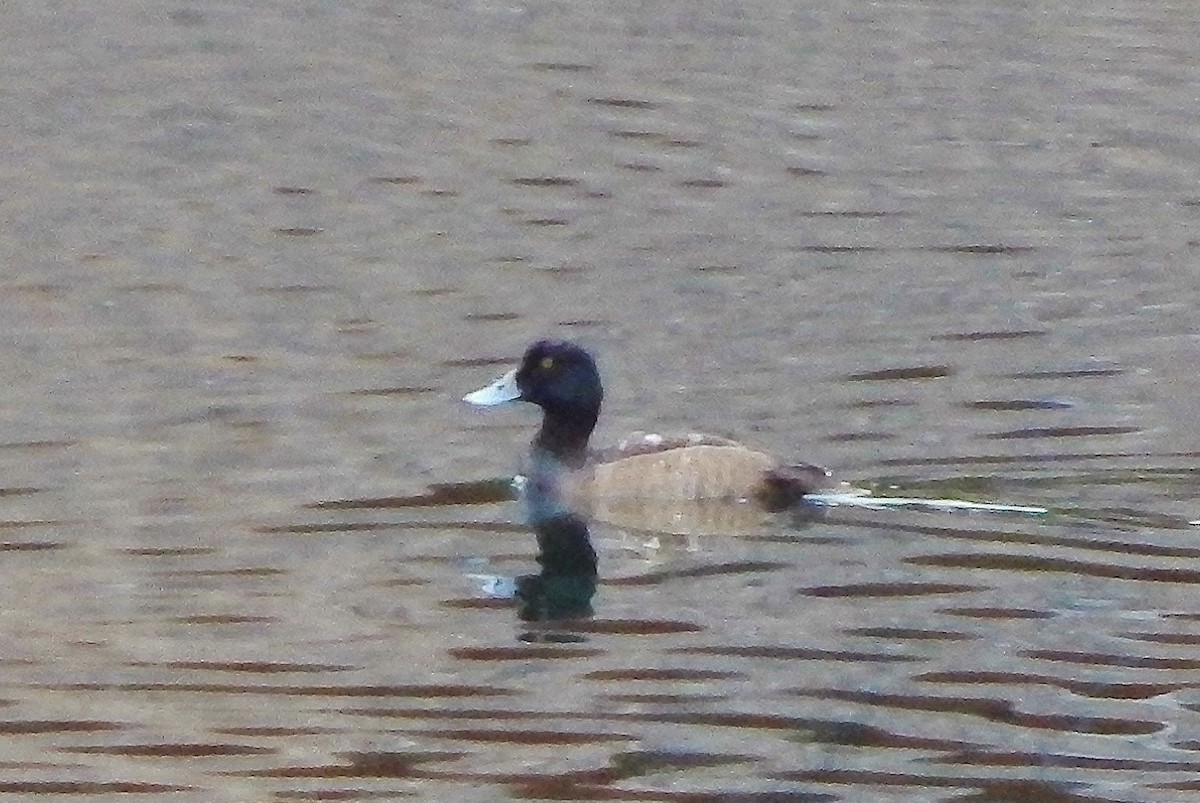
(254, 548)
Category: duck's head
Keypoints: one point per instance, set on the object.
(562, 379)
(556, 375)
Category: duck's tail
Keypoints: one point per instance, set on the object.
(784, 486)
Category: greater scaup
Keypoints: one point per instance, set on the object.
(562, 378)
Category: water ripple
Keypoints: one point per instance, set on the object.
(993, 709)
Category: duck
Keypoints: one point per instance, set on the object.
(561, 377)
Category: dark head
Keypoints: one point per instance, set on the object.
(562, 379)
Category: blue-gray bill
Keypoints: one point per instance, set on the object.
(502, 391)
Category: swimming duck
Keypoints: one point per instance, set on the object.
(561, 378)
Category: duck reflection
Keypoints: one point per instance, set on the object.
(563, 589)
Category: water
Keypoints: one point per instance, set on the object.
(253, 255)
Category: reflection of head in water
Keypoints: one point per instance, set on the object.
(564, 587)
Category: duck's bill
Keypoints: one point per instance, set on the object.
(502, 391)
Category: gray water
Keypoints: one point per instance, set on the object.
(253, 254)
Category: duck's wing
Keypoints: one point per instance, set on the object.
(687, 467)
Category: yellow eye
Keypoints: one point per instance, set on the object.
(547, 363)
